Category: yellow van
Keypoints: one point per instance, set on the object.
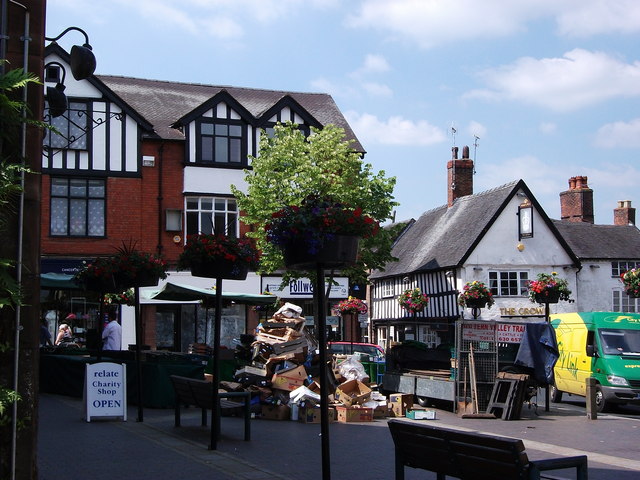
(603, 345)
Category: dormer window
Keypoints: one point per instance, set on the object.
(221, 142)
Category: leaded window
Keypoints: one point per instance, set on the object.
(78, 207)
(71, 129)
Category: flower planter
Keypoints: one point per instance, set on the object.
(142, 279)
(102, 285)
(336, 252)
(549, 296)
(220, 268)
(476, 302)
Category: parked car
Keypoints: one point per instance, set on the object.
(376, 352)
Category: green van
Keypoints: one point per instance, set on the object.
(603, 345)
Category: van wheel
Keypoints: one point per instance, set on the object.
(602, 406)
(555, 394)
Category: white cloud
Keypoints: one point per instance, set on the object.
(430, 23)
(619, 135)
(393, 131)
(377, 89)
(585, 18)
(579, 79)
(547, 128)
(477, 129)
(375, 64)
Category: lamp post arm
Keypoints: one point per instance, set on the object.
(86, 37)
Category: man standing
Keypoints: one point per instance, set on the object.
(112, 333)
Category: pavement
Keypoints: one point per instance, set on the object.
(70, 448)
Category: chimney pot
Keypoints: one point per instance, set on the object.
(465, 151)
(454, 153)
(576, 204)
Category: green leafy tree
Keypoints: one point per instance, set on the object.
(290, 168)
(14, 116)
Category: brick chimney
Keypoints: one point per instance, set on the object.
(625, 214)
(576, 204)
(459, 175)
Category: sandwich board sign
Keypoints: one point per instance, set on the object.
(105, 390)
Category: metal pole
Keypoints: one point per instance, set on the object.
(215, 382)
(547, 396)
(324, 383)
(138, 352)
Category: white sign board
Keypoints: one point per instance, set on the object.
(105, 390)
(486, 332)
(303, 288)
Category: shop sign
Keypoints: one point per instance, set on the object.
(105, 390)
(486, 332)
(303, 288)
(521, 311)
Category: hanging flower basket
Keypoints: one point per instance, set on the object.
(548, 288)
(134, 268)
(126, 297)
(548, 297)
(475, 294)
(218, 256)
(352, 306)
(98, 276)
(319, 231)
(220, 268)
(337, 251)
(631, 281)
(413, 300)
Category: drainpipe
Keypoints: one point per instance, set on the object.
(160, 247)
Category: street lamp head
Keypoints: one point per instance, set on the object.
(83, 61)
(56, 97)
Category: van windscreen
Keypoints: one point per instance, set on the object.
(620, 342)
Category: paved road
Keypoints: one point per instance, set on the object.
(70, 448)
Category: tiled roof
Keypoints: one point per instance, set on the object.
(441, 238)
(162, 103)
(601, 242)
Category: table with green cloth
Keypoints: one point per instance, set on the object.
(64, 375)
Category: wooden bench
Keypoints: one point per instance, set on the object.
(470, 455)
(199, 393)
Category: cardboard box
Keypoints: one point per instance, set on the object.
(399, 403)
(421, 414)
(312, 414)
(352, 392)
(381, 411)
(276, 412)
(289, 379)
(354, 414)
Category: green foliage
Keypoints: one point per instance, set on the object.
(290, 168)
(14, 112)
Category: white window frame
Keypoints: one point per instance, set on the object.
(222, 212)
(387, 288)
(624, 303)
(499, 281)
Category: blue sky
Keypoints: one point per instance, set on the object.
(550, 88)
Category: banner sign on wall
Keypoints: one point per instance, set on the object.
(303, 288)
(105, 390)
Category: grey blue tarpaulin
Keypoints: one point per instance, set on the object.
(539, 351)
(187, 293)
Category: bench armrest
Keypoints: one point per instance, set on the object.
(578, 462)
